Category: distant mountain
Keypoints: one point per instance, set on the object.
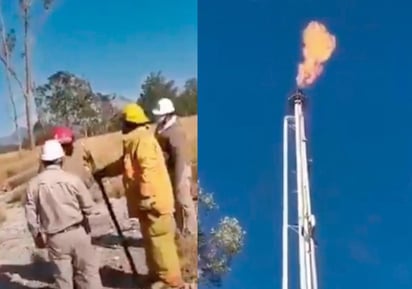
(120, 101)
(12, 138)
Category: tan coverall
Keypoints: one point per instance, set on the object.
(174, 143)
(56, 205)
(149, 198)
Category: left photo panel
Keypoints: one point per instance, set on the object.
(98, 144)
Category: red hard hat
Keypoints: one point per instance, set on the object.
(63, 134)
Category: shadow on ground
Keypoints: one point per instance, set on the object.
(24, 277)
(111, 241)
(18, 276)
(116, 278)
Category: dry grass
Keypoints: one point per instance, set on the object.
(12, 166)
(107, 148)
(104, 148)
(187, 250)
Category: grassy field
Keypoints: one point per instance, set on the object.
(104, 148)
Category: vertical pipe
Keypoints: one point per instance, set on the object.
(310, 245)
(305, 199)
(298, 132)
(285, 226)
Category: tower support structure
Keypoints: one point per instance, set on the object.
(305, 218)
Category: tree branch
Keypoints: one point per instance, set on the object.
(6, 61)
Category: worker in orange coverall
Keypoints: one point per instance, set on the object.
(149, 196)
(56, 205)
(172, 139)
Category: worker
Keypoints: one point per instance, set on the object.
(56, 205)
(74, 158)
(172, 139)
(74, 154)
(149, 196)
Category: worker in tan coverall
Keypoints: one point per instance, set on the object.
(172, 139)
(149, 196)
(56, 205)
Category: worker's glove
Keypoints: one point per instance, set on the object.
(146, 204)
(99, 174)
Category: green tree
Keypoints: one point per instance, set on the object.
(217, 245)
(186, 102)
(67, 99)
(155, 87)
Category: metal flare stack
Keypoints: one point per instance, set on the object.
(306, 220)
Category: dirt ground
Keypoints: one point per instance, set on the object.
(22, 266)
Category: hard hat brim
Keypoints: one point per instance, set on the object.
(160, 113)
(46, 159)
(157, 112)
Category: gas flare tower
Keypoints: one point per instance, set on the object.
(295, 122)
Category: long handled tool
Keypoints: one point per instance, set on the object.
(124, 242)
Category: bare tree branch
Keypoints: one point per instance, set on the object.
(6, 60)
(25, 7)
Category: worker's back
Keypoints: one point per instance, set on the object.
(54, 190)
(174, 144)
(145, 168)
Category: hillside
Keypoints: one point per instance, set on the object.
(12, 139)
(24, 267)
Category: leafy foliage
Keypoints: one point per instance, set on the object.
(217, 245)
(186, 102)
(157, 86)
(69, 100)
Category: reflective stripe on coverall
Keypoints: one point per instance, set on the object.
(55, 205)
(145, 177)
(173, 141)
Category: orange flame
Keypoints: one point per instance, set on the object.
(318, 46)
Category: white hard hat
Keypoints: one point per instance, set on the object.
(164, 106)
(51, 150)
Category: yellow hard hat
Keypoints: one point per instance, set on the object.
(134, 113)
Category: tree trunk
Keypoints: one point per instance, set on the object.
(28, 97)
(13, 104)
(7, 65)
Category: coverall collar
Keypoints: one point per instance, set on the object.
(133, 133)
(53, 167)
(167, 124)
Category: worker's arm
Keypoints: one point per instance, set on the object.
(111, 170)
(84, 197)
(177, 143)
(146, 153)
(31, 210)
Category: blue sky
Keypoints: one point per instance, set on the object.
(115, 46)
(358, 127)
